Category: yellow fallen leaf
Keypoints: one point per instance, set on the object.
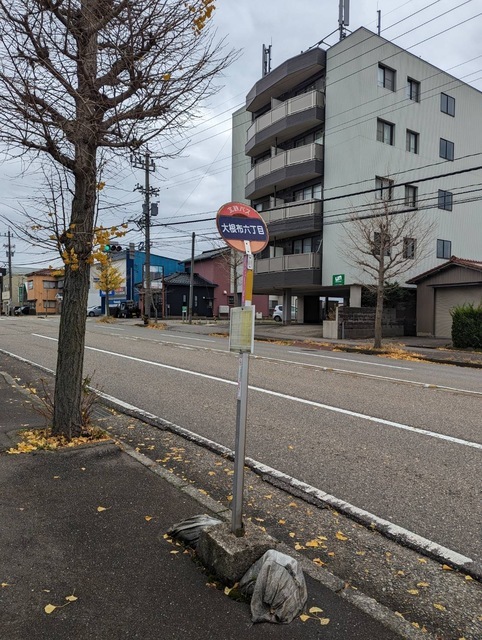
(400, 573)
(414, 592)
(292, 504)
(422, 560)
(316, 610)
(56, 477)
(205, 493)
(5, 584)
(49, 608)
(298, 546)
(99, 509)
(468, 578)
(423, 584)
(304, 617)
(446, 567)
(331, 553)
(268, 496)
(360, 553)
(340, 536)
(319, 562)
(324, 621)
(416, 625)
(400, 615)
(147, 518)
(174, 552)
(229, 498)
(322, 537)
(438, 606)
(291, 534)
(211, 473)
(71, 598)
(312, 543)
(281, 521)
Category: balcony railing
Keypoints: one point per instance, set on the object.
(313, 151)
(291, 262)
(293, 105)
(299, 209)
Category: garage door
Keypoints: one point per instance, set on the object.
(445, 299)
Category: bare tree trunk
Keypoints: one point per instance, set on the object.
(377, 343)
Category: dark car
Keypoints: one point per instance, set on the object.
(24, 310)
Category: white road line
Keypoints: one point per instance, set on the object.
(410, 536)
(425, 385)
(284, 396)
(184, 337)
(371, 364)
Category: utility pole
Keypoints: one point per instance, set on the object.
(10, 253)
(191, 280)
(147, 163)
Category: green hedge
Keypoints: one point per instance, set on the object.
(467, 326)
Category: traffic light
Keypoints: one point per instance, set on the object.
(112, 247)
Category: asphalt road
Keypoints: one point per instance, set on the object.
(399, 439)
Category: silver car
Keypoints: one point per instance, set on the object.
(278, 313)
(94, 311)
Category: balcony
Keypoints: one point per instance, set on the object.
(298, 271)
(290, 262)
(295, 218)
(285, 121)
(285, 170)
(286, 77)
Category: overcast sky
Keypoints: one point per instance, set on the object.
(446, 33)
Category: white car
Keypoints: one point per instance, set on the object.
(94, 311)
(278, 313)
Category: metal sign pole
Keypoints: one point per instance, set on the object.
(242, 407)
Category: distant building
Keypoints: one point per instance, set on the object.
(329, 131)
(177, 287)
(44, 291)
(224, 267)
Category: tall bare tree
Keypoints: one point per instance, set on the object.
(383, 243)
(80, 76)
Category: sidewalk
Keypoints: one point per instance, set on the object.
(126, 579)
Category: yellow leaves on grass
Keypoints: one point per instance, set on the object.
(42, 439)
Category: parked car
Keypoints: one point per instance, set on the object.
(278, 313)
(24, 310)
(94, 311)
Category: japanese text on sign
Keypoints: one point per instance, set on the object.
(245, 229)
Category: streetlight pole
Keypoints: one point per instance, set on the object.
(9, 248)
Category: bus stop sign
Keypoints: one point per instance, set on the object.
(238, 223)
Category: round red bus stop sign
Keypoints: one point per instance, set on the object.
(238, 223)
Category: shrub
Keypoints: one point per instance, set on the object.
(467, 326)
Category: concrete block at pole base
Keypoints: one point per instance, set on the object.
(229, 557)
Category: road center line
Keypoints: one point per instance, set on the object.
(277, 394)
(371, 364)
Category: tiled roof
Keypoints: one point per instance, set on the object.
(454, 261)
(184, 279)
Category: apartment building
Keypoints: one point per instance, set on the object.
(332, 131)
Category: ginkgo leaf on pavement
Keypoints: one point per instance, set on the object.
(49, 608)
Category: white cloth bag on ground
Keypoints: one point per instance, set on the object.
(277, 588)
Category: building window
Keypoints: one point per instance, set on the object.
(50, 284)
(377, 243)
(409, 248)
(50, 304)
(302, 245)
(445, 200)
(413, 90)
(383, 188)
(30, 284)
(310, 138)
(385, 132)
(447, 104)
(412, 141)
(386, 77)
(411, 196)
(312, 192)
(446, 149)
(444, 249)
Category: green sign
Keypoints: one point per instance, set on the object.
(339, 278)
